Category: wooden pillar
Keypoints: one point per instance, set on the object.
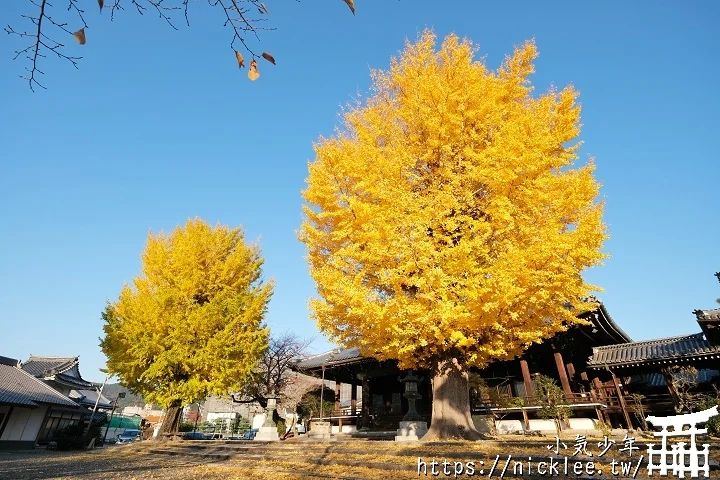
(597, 384)
(337, 395)
(571, 372)
(526, 422)
(365, 420)
(526, 379)
(671, 386)
(563, 374)
(621, 399)
(353, 400)
(599, 414)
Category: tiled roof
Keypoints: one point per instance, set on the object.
(89, 397)
(652, 351)
(73, 381)
(334, 357)
(18, 387)
(38, 366)
(713, 314)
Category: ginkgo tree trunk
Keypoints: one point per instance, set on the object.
(447, 223)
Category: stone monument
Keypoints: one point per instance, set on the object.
(268, 432)
(412, 426)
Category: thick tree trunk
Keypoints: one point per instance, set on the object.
(451, 417)
(171, 422)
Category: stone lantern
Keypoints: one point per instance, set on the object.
(412, 427)
(268, 432)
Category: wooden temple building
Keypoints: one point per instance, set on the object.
(604, 376)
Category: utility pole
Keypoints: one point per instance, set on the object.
(92, 415)
(120, 395)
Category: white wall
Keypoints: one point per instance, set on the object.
(226, 416)
(543, 425)
(582, 423)
(24, 424)
(345, 429)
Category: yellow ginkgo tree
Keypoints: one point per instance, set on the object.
(192, 324)
(447, 224)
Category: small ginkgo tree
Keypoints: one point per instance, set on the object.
(192, 324)
(447, 225)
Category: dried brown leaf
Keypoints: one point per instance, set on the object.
(101, 3)
(253, 73)
(268, 57)
(240, 59)
(80, 36)
(351, 4)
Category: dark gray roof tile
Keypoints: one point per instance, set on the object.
(38, 366)
(334, 357)
(652, 351)
(18, 387)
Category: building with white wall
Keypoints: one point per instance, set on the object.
(25, 403)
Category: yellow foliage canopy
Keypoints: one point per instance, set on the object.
(447, 220)
(191, 324)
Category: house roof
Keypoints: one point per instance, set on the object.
(89, 397)
(653, 351)
(72, 381)
(333, 357)
(708, 315)
(18, 387)
(42, 366)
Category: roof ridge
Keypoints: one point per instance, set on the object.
(653, 341)
(38, 358)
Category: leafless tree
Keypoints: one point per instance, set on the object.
(682, 381)
(44, 24)
(273, 373)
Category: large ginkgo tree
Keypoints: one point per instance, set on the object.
(447, 222)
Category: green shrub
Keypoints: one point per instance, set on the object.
(71, 437)
(186, 427)
(713, 425)
(281, 427)
(604, 427)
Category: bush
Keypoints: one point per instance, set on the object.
(281, 427)
(71, 437)
(186, 427)
(604, 427)
(713, 425)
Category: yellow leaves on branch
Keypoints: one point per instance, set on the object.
(448, 217)
(192, 324)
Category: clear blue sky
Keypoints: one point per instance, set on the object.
(160, 125)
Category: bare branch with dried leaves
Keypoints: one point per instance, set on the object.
(245, 19)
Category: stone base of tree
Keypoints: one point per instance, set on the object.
(411, 431)
(267, 434)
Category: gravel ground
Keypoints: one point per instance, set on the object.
(108, 463)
